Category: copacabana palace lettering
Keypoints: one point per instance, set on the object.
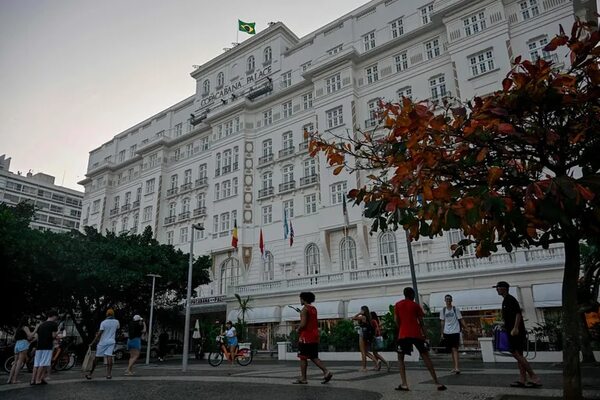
(239, 84)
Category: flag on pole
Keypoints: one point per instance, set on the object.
(234, 236)
(247, 27)
(285, 225)
(291, 234)
(261, 244)
(345, 211)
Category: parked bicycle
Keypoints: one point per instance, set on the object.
(63, 356)
(8, 363)
(243, 356)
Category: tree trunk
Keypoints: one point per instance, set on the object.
(586, 341)
(570, 321)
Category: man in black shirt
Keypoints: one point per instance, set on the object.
(517, 338)
(46, 333)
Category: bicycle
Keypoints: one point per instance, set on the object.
(8, 363)
(63, 359)
(243, 356)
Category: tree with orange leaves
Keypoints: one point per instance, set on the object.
(518, 168)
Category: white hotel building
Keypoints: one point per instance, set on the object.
(235, 151)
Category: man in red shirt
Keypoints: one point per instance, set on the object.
(308, 342)
(411, 331)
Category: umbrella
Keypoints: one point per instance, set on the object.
(196, 334)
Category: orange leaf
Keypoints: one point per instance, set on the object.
(494, 173)
(506, 128)
(506, 84)
(482, 154)
(338, 169)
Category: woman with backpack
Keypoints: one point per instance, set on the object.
(377, 343)
(366, 335)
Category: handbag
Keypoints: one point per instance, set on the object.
(88, 361)
(379, 342)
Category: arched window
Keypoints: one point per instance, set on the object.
(348, 254)
(311, 259)
(220, 79)
(268, 55)
(388, 252)
(230, 274)
(250, 63)
(268, 266)
(206, 87)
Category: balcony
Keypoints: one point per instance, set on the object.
(200, 212)
(370, 123)
(114, 211)
(170, 220)
(287, 186)
(185, 187)
(184, 215)
(264, 160)
(309, 180)
(226, 169)
(262, 193)
(303, 147)
(136, 204)
(236, 166)
(125, 207)
(172, 192)
(288, 151)
(201, 182)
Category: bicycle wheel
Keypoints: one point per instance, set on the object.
(72, 361)
(215, 358)
(8, 363)
(244, 357)
(63, 361)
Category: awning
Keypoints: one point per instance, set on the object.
(469, 300)
(380, 305)
(325, 310)
(257, 315)
(547, 295)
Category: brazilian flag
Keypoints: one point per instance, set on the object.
(247, 27)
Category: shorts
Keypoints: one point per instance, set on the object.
(517, 343)
(308, 351)
(105, 350)
(134, 344)
(405, 346)
(43, 358)
(21, 345)
(452, 340)
(232, 341)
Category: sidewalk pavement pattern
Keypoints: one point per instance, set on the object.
(271, 380)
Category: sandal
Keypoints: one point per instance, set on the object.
(441, 387)
(535, 385)
(517, 384)
(299, 382)
(327, 378)
(402, 388)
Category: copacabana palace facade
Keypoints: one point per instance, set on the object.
(234, 153)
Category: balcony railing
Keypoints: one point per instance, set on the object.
(125, 207)
(302, 147)
(170, 220)
(309, 180)
(288, 151)
(226, 169)
(265, 159)
(184, 215)
(235, 166)
(136, 204)
(185, 187)
(284, 187)
(371, 122)
(200, 212)
(114, 211)
(172, 192)
(201, 182)
(266, 192)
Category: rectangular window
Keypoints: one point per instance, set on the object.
(401, 61)
(215, 224)
(338, 191)
(287, 109)
(397, 28)
(189, 150)
(432, 48)
(372, 74)
(183, 235)
(122, 156)
(405, 92)
(153, 160)
(147, 216)
(482, 62)
(95, 206)
(307, 100)
(132, 150)
(267, 214)
(426, 13)
(170, 237)
(306, 65)
(204, 144)
(529, 9)
(335, 50)
(286, 79)
(369, 41)
(224, 222)
(288, 208)
(536, 50)
(334, 117)
(437, 85)
(474, 24)
(150, 186)
(178, 129)
(287, 140)
(310, 127)
(267, 117)
(333, 83)
(310, 203)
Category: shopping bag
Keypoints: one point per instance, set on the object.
(88, 361)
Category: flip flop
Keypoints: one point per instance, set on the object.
(517, 384)
(441, 387)
(327, 378)
(402, 388)
(299, 382)
(533, 385)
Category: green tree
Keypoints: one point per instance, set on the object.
(517, 168)
(244, 307)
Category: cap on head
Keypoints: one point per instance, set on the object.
(502, 284)
(136, 318)
(110, 312)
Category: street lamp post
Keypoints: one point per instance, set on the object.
(186, 332)
(154, 276)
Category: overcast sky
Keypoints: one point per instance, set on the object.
(74, 73)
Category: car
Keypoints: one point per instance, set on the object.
(121, 352)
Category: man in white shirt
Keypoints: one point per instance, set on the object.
(452, 323)
(105, 340)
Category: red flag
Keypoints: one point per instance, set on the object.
(234, 237)
(261, 244)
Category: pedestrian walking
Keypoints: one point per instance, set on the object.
(517, 338)
(452, 325)
(137, 328)
(22, 337)
(366, 335)
(46, 333)
(105, 343)
(377, 344)
(308, 342)
(411, 331)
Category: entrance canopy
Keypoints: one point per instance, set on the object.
(380, 305)
(257, 315)
(547, 295)
(470, 300)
